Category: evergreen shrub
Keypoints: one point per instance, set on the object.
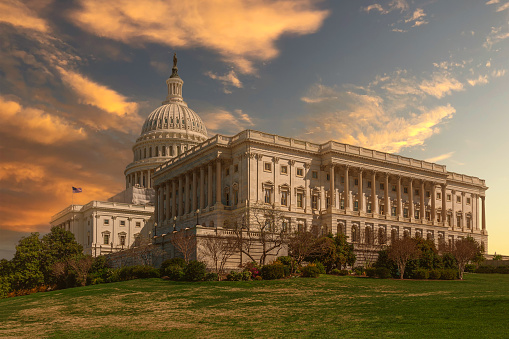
(449, 274)
(273, 271)
(382, 272)
(195, 271)
(435, 274)
(174, 272)
(370, 272)
(310, 271)
(420, 273)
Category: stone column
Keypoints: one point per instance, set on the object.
(161, 205)
(444, 204)
(433, 203)
(360, 193)
(186, 194)
(209, 185)
(218, 182)
(346, 192)
(181, 200)
(148, 179)
(475, 199)
(387, 208)
(483, 213)
(174, 212)
(156, 204)
(373, 193)
(463, 215)
(398, 197)
(423, 207)
(332, 188)
(453, 219)
(410, 199)
(168, 203)
(135, 178)
(194, 193)
(202, 186)
(307, 193)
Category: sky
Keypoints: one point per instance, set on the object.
(424, 79)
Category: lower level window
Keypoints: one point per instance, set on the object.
(106, 238)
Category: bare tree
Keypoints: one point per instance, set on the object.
(402, 250)
(302, 244)
(141, 252)
(81, 265)
(219, 249)
(262, 230)
(464, 250)
(185, 242)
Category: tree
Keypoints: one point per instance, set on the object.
(185, 242)
(402, 250)
(334, 252)
(219, 249)
(27, 263)
(263, 231)
(81, 266)
(301, 245)
(465, 250)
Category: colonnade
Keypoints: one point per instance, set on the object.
(185, 193)
(142, 178)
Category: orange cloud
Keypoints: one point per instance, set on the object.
(36, 125)
(18, 14)
(240, 31)
(221, 121)
(100, 96)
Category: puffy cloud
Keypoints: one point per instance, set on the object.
(480, 80)
(441, 85)
(496, 35)
(219, 120)
(92, 93)
(440, 157)
(228, 80)
(18, 14)
(36, 125)
(242, 32)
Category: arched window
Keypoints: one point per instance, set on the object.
(150, 152)
(145, 153)
(368, 235)
(355, 234)
(164, 151)
(157, 151)
(382, 238)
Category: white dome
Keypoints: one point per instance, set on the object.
(174, 118)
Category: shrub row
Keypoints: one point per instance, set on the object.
(491, 269)
(178, 270)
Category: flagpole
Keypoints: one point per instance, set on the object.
(72, 206)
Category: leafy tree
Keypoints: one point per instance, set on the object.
(465, 250)
(27, 263)
(334, 252)
(58, 245)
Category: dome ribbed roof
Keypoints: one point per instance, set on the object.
(174, 117)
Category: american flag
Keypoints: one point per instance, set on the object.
(76, 189)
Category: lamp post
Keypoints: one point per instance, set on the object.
(197, 216)
(174, 223)
(155, 229)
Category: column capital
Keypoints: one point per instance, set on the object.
(307, 165)
(291, 162)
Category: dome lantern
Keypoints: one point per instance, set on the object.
(174, 84)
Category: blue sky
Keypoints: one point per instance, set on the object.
(425, 79)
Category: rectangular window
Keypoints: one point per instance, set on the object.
(428, 194)
(300, 227)
(369, 184)
(405, 212)
(300, 198)
(227, 172)
(106, 221)
(416, 192)
(342, 180)
(267, 166)
(439, 217)
(300, 172)
(448, 219)
(235, 197)
(284, 198)
(122, 240)
(439, 196)
(314, 174)
(284, 169)
(458, 199)
(314, 202)
(394, 188)
(468, 201)
(368, 207)
(448, 197)
(356, 182)
(355, 205)
(236, 168)
(327, 202)
(416, 214)
(393, 211)
(328, 177)
(122, 222)
(342, 204)
(138, 224)
(284, 226)
(468, 223)
(458, 221)
(267, 196)
(382, 209)
(382, 186)
(428, 216)
(106, 239)
(405, 190)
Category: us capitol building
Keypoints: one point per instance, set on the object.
(180, 179)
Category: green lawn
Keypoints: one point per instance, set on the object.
(329, 306)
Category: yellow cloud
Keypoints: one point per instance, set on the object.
(92, 93)
(18, 14)
(240, 31)
(441, 85)
(222, 121)
(440, 157)
(35, 125)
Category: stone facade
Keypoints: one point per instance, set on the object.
(330, 187)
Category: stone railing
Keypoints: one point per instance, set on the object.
(68, 209)
(465, 178)
(117, 205)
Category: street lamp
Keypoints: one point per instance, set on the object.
(174, 223)
(197, 215)
(155, 229)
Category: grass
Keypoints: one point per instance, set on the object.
(329, 306)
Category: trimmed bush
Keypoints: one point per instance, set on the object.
(273, 271)
(383, 272)
(491, 269)
(320, 267)
(449, 274)
(195, 271)
(211, 277)
(359, 270)
(420, 273)
(310, 271)
(137, 272)
(234, 276)
(174, 272)
(435, 274)
(174, 262)
(370, 272)
(470, 268)
(335, 271)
